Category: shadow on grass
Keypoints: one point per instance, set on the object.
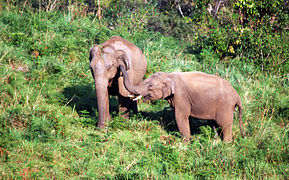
(83, 99)
(193, 49)
(167, 119)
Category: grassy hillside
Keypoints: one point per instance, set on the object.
(48, 104)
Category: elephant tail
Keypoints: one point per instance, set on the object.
(239, 104)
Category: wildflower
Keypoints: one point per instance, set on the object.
(231, 49)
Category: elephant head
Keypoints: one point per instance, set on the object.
(157, 86)
(104, 63)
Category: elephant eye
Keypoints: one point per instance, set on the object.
(150, 86)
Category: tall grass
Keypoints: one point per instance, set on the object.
(48, 109)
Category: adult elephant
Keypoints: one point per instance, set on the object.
(105, 60)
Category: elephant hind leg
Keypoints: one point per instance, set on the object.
(227, 133)
(126, 105)
(225, 121)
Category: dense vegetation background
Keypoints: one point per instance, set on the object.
(47, 99)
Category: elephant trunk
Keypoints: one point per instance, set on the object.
(136, 90)
(102, 101)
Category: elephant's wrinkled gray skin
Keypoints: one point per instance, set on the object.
(194, 94)
(104, 64)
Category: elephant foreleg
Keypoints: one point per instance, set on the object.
(183, 124)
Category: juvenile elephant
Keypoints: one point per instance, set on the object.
(104, 64)
(194, 94)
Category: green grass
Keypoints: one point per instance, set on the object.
(48, 109)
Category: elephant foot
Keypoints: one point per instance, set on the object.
(186, 139)
(101, 126)
(124, 112)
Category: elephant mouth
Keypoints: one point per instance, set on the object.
(146, 98)
(135, 98)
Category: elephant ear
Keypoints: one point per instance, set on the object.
(168, 88)
(122, 58)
